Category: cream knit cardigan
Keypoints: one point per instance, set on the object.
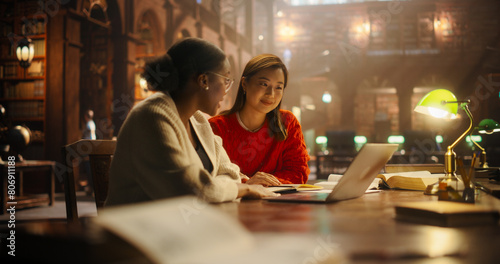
(154, 158)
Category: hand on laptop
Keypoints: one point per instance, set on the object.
(264, 179)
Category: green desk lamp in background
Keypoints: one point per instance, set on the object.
(486, 126)
(442, 103)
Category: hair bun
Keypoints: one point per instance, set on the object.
(161, 74)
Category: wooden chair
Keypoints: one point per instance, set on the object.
(99, 153)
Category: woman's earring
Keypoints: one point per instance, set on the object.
(206, 88)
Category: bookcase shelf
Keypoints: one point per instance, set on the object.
(23, 91)
(27, 119)
(39, 98)
(22, 79)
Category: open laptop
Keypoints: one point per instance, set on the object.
(361, 172)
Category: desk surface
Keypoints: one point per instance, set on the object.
(363, 228)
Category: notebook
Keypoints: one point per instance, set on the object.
(367, 164)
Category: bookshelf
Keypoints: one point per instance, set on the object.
(23, 91)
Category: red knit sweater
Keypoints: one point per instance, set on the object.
(258, 151)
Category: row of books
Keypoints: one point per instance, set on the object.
(25, 109)
(29, 27)
(10, 69)
(5, 29)
(39, 46)
(33, 27)
(6, 50)
(28, 8)
(24, 89)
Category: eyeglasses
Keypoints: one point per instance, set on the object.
(227, 81)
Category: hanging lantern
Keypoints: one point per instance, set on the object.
(25, 52)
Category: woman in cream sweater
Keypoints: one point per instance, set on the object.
(166, 147)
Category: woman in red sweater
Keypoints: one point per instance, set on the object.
(263, 140)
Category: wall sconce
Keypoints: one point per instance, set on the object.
(143, 83)
(396, 139)
(437, 24)
(287, 32)
(326, 98)
(442, 103)
(25, 52)
(359, 141)
(322, 141)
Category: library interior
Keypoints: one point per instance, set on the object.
(418, 77)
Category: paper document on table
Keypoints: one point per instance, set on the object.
(188, 230)
(333, 180)
(286, 188)
(180, 230)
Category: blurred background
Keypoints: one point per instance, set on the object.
(357, 68)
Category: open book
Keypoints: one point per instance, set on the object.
(444, 213)
(414, 180)
(432, 168)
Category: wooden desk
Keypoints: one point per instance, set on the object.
(22, 200)
(363, 228)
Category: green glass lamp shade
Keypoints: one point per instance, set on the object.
(436, 103)
(488, 126)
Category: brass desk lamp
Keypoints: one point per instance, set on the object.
(442, 103)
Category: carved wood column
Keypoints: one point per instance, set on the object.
(123, 79)
(63, 82)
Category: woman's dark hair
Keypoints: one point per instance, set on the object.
(256, 64)
(186, 58)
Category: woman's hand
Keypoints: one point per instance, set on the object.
(254, 191)
(264, 179)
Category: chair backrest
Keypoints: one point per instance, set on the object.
(100, 153)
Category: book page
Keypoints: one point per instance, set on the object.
(190, 231)
(334, 177)
(432, 168)
(279, 189)
(418, 184)
(296, 187)
(179, 230)
(414, 174)
(414, 180)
